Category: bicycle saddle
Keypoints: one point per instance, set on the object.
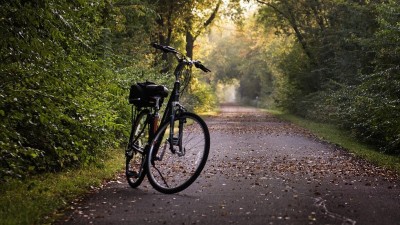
(144, 94)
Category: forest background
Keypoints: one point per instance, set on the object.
(66, 68)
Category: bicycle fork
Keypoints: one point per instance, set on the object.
(172, 140)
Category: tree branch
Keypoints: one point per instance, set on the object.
(292, 21)
(209, 20)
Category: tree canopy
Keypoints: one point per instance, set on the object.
(343, 66)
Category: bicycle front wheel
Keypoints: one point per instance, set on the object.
(175, 161)
(135, 152)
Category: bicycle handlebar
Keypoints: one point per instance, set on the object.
(198, 65)
(169, 49)
(163, 48)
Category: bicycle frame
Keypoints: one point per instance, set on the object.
(169, 113)
(151, 135)
(173, 103)
(173, 106)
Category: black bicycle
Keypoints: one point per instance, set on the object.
(172, 151)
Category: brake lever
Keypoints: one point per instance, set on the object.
(198, 64)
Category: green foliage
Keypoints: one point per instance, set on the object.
(293, 86)
(62, 101)
(371, 108)
(200, 97)
(343, 67)
(50, 86)
(65, 72)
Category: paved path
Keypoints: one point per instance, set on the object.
(260, 171)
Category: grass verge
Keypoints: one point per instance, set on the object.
(342, 138)
(37, 199)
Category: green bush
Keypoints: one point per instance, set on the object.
(343, 67)
(57, 96)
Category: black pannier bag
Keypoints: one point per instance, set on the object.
(144, 94)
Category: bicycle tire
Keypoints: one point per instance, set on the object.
(170, 172)
(135, 169)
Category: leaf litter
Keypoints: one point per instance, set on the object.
(256, 149)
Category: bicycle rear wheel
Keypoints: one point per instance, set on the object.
(135, 169)
(171, 170)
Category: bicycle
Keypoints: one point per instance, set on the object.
(172, 151)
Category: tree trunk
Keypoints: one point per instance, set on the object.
(189, 44)
(191, 35)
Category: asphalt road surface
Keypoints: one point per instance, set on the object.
(260, 171)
